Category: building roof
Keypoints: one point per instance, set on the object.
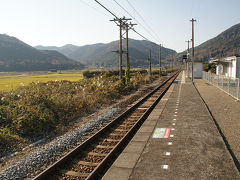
(223, 60)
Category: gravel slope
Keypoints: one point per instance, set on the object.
(35, 160)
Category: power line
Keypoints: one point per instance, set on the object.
(120, 19)
(106, 9)
(140, 35)
(142, 19)
(134, 19)
(87, 4)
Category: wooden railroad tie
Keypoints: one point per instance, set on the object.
(105, 147)
(97, 154)
(74, 173)
(86, 163)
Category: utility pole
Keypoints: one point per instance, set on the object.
(150, 66)
(127, 72)
(188, 41)
(120, 48)
(172, 62)
(188, 53)
(120, 22)
(160, 60)
(193, 20)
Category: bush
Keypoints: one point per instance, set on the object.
(41, 108)
(90, 74)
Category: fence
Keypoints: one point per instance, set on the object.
(227, 84)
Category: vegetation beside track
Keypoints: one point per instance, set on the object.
(40, 108)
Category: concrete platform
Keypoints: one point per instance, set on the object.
(193, 149)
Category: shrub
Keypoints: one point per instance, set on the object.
(40, 108)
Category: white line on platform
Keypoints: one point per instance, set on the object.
(175, 115)
(172, 129)
(174, 119)
(173, 124)
(171, 135)
(169, 143)
(167, 153)
(183, 78)
(165, 166)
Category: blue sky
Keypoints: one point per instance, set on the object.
(80, 22)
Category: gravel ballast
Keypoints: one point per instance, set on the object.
(44, 155)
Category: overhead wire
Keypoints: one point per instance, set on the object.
(142, 19)
(134, 19)
(119, 18)
(140, 35)
(87, 4)
(106, 9)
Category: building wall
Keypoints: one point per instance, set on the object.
(197, 69)
(219, 69)
(229, 67)
(238, 67)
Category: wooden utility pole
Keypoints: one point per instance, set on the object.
(193, 20)
(121, 22)
(120, 48)
(150, 66)
(127, 72)
(188, 41)
(188, 53)
(160, 60)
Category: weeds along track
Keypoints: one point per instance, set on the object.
(92, 158)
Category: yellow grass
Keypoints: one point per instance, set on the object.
(11, 82)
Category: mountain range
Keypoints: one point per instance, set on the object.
(102, 55)
(16, 55)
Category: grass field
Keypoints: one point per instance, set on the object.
(10, 82)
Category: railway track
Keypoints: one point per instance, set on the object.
(92, 158)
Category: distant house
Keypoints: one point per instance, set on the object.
(229, 66)
(197, 69)
(53, 70)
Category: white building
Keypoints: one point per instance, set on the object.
(197, 69)
(229, 66)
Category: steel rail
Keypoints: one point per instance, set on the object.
(102, 165)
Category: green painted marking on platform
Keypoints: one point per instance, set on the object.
(159, 133)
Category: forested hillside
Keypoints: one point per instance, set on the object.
(225, 44)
